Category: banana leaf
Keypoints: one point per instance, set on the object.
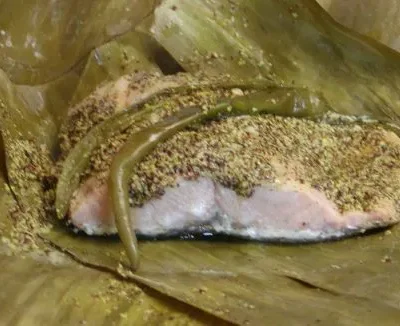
(351, 282)
(249, 283)
(377, 19)
(49, 289)
(42, 40)
(294, 43)
(129, 52)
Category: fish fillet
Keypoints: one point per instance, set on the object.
(266, 178)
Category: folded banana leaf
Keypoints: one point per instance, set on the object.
(129, 52)
(42, 40)
(377, 19)
(290, 43)
(294, 43)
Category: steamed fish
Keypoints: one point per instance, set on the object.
(268, 178)
(136, 161)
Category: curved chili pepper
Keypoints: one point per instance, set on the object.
(280, 101)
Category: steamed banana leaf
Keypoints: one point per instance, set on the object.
(293, 43)
(54, 53)
(49, 289)
(43, 40)
(377, 19)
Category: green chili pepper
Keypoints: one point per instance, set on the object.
(280, 101)
(79, 157)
